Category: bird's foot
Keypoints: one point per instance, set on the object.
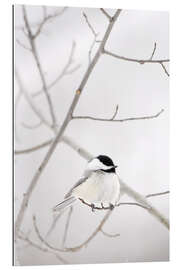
(102, 205)
(111, 206)
(92, 207)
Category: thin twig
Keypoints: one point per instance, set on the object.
(106, 14)
(23, 45)
(118, 120)
(157, 194)
(163, 66)
(65, 71)
(54, 223)
(43, 249)
(140, 61)
(153, 52)
(76, 248)
(110, 234)
(32, 126)
(94, 34)
(67, 225)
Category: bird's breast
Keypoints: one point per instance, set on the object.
(99, 188)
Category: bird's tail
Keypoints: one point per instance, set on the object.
(64, 204)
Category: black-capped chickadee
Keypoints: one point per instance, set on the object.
(98, 185)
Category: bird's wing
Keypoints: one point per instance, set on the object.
(81, 180)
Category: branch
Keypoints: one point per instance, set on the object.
(39, 66)
(76, 248)
(66, 121)
(43, 249)
(152, 55)
(67, 225)
(140, 61)
(109, 234)
(118, 120)
(157, 194)
(106, 14)
(32, 126)
(47, 18)
(94, 34)
(65, 71)
(163, 66)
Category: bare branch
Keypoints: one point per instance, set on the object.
(157, 194)
(39, 66)
(47, 18)
(94, 34)
(32, 126)
(140, 61)
(76, 248)
(65, 71)
(67, 225)
(89, 25)
(163, 66)
(22, 45)
(109, 234)
(106, 14)
(43, 249)
(54, 223)
(66, 121)
(153, 52)
(118, 120)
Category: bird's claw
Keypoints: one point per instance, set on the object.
(111, 206)
(92, 207)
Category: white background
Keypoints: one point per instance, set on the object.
(6, 178)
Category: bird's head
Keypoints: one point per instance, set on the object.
(101, 163)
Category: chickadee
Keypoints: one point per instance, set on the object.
(98, 185)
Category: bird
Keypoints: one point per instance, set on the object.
(99, 185)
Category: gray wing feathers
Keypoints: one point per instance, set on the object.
(81, 180)
(64, 204)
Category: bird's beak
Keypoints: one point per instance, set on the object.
(114, 167)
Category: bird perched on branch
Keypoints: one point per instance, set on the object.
(99, 185)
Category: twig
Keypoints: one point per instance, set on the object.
(43, 249)
(22, 45)
(66, 121)
(67, 225)
(106, 14)
(89, 25)
(109, 234)
(32, 126)
(118, 120)
(163, 66)
(140, 61)
(157, 194)
(76, 248)
(53, 225)
(153, 52)
(95, 37)
(65, 71)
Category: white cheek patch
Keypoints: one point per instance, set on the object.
(95, 164)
